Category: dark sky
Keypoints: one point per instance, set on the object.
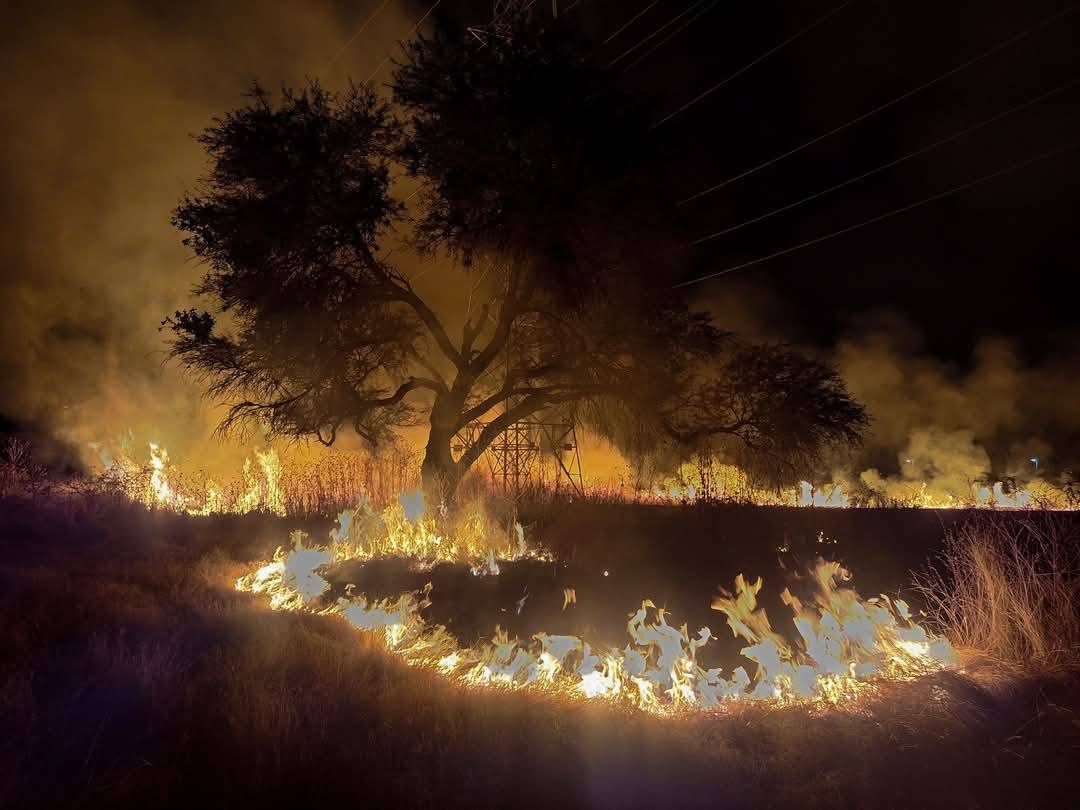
(952, 321)
(964, 297)
(994, 259)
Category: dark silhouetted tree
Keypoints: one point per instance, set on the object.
(534, 172)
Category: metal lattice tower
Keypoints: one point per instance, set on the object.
(505, 13)
(516, 457)
(512, 457)
(563, 444)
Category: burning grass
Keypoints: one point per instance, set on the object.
(132, 673)
(848, 645)
(322, 485)
(329, 482)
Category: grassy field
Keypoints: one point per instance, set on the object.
(131, 673)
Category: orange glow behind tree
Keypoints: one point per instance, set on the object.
(530, 164)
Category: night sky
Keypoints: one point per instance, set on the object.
(991, 260)
(100, 104)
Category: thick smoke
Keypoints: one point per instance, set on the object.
(99, 107)
(952, 424)
(982, 416)
(100, 104)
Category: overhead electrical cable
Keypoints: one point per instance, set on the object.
(890, 103)
(921, 151)
(689, 9)
(672, 35)
(509, 11)
(412, 31)
(940, 195)
(750, 64)
(357, 33)
(629, 22)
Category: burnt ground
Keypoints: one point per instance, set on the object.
(676, 556)
(132, 674)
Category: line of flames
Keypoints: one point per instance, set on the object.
(728, 482)
(261, 489)
(848, 645)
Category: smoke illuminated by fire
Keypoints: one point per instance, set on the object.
(266, 484)
(708, 481)
(847, 645)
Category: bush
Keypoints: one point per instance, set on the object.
(1008, 592)
(20, 474)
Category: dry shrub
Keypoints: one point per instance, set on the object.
(1008, 592)
(20, 473)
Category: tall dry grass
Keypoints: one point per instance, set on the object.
(1007, 592)
(338, 480)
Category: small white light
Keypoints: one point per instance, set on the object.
(605, 572)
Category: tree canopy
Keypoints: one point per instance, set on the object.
(533, 171)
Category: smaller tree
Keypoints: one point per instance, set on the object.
(771, 411)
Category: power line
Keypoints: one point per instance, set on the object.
(692, 7)
(522, 11)
(672, 35)
(509, 10)
(896, 100)
(495, 27)
(955, 190)
(629, 22)
(921, 151)
(357, 33)
(749, 65)
(412, 31)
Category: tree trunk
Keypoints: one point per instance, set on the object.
(439, 473)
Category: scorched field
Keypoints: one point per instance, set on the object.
(400, 656)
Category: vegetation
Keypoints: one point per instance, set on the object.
(1008, 592)
(531, 169)
(133, 673)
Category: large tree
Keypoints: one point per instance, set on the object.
(535, 178)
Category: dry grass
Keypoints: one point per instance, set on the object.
(1007, 593)
(334, 481)
(131, 674)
